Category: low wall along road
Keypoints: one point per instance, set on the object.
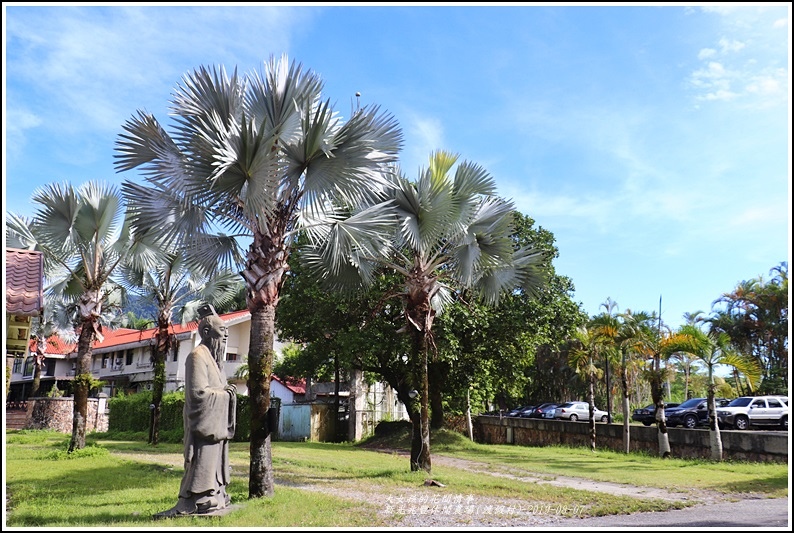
(684, 443)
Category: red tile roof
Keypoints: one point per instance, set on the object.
(298, 386)
(122, 336)
(24, 282)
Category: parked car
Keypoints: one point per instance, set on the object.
(692, 413)
(542, 411)
(747, 411)
(522, 411)
(574, 411)
(647, 414)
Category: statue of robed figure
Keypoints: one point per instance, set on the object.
(209, 421)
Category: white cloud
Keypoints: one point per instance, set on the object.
(80, 59)
(750, 57)
(17, 122)
(423, 135)
(727, 45)
(706, 53)
(765, 85)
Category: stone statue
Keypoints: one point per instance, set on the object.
(209, 418)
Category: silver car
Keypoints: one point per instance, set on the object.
(574, 411)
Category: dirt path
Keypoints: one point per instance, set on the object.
(432, 507)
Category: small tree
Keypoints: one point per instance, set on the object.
(448, 233)
(83, 241)
(713, 348)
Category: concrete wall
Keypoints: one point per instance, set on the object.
(685, 443)
(57, 414)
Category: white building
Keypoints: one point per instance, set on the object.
(123, 361)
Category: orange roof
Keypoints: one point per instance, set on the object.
(24, 282)
(122, 336)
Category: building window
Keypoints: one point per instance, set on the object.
(128, 361)
(17, 365)
(105, 359)
(28, 367)
(175, 350)
(231, 357)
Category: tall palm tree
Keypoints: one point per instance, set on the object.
(713, 348)
(83, 241)
(589, 345)
(630, 337)
(449, 233)
(608, 327)
(655, 343)
(258, 156)
(175, 289)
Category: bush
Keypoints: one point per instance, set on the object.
(131, 414)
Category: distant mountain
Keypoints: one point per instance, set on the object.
(141, 307)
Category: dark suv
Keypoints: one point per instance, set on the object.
(647, 414)
(692, 413)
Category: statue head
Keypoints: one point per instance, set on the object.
(214, 333)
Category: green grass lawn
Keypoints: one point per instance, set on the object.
(121, 483)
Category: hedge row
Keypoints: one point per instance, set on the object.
(132, 414)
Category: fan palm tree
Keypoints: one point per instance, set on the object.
(449, 233)
(713, 348)
(79, 232)
(174, 288)
(257, 156)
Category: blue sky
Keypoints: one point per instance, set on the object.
(652, 141)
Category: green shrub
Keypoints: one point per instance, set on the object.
(130, 414)
(90, 450)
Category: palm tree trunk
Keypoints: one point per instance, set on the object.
(38, 363)
(609, 391)
(260, 367)
(82, 381)
(591, 409)
(715, 439)
(420, 443)
(161, 349)
(661, 423)
(624, 385)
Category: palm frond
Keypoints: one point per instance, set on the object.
(165, 211)
(208, 253)
(54, 219)
(99, 213)
(19, 234)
